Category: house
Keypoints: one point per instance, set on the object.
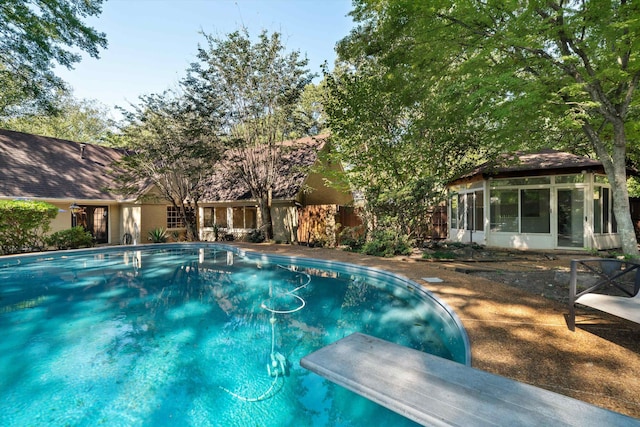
(63, 173)
(300, 191)
(70, 174)
(545, 200)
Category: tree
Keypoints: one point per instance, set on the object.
(397, 152)
(74, 119)
(310, 110)
(254, 88)
(553, 73)
(172, 155)
(34, 36)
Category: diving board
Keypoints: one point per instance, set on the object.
(438, 392)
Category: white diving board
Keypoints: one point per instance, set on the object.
(438, 392)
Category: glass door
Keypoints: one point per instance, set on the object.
(570, 217)
(94, 220)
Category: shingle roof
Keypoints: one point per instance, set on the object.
(51, 168)
(225, 185)
(547, 162)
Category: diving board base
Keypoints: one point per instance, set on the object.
(438, 392)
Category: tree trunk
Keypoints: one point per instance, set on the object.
(189, 218)
(265, 214)
(616, 168)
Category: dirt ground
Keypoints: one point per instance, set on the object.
(513, 307)
(544, 274)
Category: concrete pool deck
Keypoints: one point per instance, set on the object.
(520, 335)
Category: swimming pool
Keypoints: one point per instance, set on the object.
(197, 334)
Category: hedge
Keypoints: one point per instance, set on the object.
(23, 224)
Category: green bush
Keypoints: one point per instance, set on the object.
(72, 238)
(158, 235)
(256, 236)
(353, 238)
(23, 225)
(386, 244)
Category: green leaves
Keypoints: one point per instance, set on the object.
(23, 224)
(253, 87)
(35, 35)
(463, 79)
(73, 119)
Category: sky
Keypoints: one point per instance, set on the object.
(152, 42)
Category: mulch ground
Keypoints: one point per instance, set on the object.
(521, 334)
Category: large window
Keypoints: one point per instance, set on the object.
(245, 217)
(474, 207)
(521, 211)
(215, 216)
(504, 210)
(174, 219)
(535, 211)
(467, 211)
(221, 217)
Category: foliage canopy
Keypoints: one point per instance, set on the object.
(172, 153)
(251, 90)
(35, 35)
(499, 76)
(73, 120)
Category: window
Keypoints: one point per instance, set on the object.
(508, 182)
(535, 211)
(461, 209)
(521, 211)
(207, 217)
(597, 210)
(605, 209)
(250, 218)
(474, 207)
(215, 216)
(174, 219)
(221, 217)
(245, 217)
(603, 219)
(569, 179)
(454, 211)
(467, 211)
(504, 210)
(478, 210)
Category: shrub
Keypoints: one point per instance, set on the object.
(387, 244)
(353, 238)
(23, 225)
(72, 238)
(158, 235)
(256, 236)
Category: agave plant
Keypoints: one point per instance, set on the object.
(158, 235)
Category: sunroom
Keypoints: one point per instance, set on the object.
(541, 201)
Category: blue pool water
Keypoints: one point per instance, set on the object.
(197, 335)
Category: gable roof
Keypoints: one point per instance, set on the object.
(225, 185)
(545, 162)
(50, 168)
